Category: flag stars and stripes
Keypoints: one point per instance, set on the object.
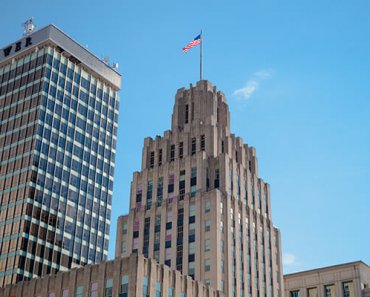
(197, 40)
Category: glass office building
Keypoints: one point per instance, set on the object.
(58, 132)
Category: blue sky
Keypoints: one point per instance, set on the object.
(296, 75)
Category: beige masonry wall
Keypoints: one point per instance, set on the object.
(121, 277)
(198, 204)
(330, 281)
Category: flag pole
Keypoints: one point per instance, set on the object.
(201, 50)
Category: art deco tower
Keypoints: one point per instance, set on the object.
(58, 126)
(198, 205)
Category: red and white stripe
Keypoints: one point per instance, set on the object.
(191, 44)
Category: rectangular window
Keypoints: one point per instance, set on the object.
(193, 181)
(79, 291)
(146, 233)
(348, 289)
(139, 193)
(156, 255)
(312, 292)
(135, 244)
(230, 187)
(207, 207)
(191, 248)
(158, 289)
(181, 150)
(294, 293)
(168, 254)
(160, 190)
(169, 216)
(124, 286)
(123, 248)
(191, 229)
(160, 157)
(207, 265)
(149, 194)
(65, 293)
(172, 153)
(108, 292)
(329, 291)
(124, 228)
(157, 222)
(151, 159)
(186, 113)
(192, 209)
(191, 270)
(182, 184)
(145, 287)
(207, 226)
(94, 290)
(136, 225)
(193, 145)
(180, 216)
(207, 245)
(202, 142)
(171, 180)
(179, 250)
(217, 179)
(157, 236)
(170, 292)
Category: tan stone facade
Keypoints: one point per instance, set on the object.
(345, 280)
(198, 204)
(131, 276)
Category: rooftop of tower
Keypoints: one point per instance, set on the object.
(203, 85)
(200, 104)
(200, 114)
(52, 35)
(199, 90)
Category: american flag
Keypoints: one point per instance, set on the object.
(197, 40)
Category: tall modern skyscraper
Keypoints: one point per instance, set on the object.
(58, 127)
(198, 204)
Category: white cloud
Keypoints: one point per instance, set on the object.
(247, 91)
(253, 84)
(289, 259)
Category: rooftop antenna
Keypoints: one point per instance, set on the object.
(106, 59)
(28, 26)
